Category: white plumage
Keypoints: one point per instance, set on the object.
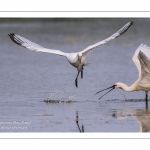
(141, 58)
(75, 59)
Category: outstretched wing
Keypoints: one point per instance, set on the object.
(32, 46)
(115, 35)
(141, 58)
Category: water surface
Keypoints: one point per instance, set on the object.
(28, 78)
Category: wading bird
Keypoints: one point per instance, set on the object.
(141, 58)
(75, 59)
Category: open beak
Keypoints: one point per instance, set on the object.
(111, 88)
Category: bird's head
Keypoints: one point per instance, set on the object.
(120, 85)
(115, 86)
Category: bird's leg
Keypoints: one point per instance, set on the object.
(76, 80)
(82, 72)
(146, 98)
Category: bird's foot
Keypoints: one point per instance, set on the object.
(76, 83)
(81, 74)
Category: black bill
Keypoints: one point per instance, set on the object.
(111, 88)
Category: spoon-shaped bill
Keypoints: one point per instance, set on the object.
(106, 93)
(111, 88)
(105, 89)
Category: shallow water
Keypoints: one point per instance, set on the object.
(28, 78)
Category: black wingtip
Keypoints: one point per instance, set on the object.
(125, 28)
(11, 35)
(14, 39)
(131, 23)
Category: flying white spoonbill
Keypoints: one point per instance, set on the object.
(141, 58)
(75, 59)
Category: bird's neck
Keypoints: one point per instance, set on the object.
(133, 87)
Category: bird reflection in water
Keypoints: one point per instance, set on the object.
(142, 116)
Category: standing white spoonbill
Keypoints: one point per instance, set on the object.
(141, 58)
(75, 59)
